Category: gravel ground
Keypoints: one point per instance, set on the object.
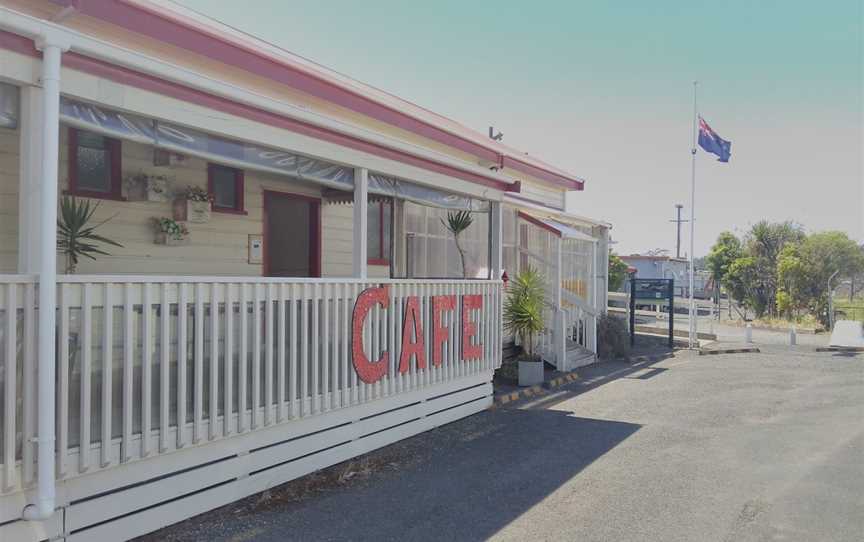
(739, 447)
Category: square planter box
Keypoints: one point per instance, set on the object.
(185, 210)
(165, 239)
(530, 373)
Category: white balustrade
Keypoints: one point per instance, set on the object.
(147, 365)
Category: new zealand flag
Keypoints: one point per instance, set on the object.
(711, 142)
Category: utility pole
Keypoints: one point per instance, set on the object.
(678, 221)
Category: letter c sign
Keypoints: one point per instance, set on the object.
(368, 371)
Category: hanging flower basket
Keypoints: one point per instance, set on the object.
(157, 188)
(170, 232)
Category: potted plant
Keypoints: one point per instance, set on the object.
(157, 188)
(198, 202)
(457, 223)
(147, 187)
(523, 316)
(74, 237)
(170, 232)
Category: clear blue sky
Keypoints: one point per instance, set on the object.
(603, 89)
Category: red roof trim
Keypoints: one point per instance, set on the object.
(160, 27)
(539, 223)
(184, 93)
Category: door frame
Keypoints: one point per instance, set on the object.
(314, 229)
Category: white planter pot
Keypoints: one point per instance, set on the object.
(198, 211)
(530, 373)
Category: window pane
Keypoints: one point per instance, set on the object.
(373, 235)
(385, 241)
(225, 187)
(94, 163)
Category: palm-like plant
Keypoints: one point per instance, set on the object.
(523, 309)
(457, 223)
(75, 238)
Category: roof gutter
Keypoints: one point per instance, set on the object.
(162, 27)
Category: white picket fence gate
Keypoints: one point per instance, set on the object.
(205, 390)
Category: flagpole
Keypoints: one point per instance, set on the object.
(692, 335)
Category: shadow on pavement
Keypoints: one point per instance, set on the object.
(594, 376)
(463, 481)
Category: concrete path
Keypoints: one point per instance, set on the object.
(727, 448)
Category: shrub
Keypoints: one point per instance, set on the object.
(523, 309)
(613, 339)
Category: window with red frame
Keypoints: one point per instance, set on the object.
(226, 185)
(379, 220)
(94, 165)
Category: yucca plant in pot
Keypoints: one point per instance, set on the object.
(75, 236)
(523, 316)
(457, 223)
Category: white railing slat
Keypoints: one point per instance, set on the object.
(280, 358)
(268, 356)
(182, 349)
(213, 426)
(198, 385)
(30, 396)
(228, 388)
(107, 371)
(146, 370)
(164, 368)
(128, 369)
(86, 358)
(11, 387)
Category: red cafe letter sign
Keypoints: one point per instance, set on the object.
(440, 332)
(412, 326)
(469, 328)
(368, 371)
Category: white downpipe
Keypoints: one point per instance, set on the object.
(52, 51)
(360, 249)
(597, 310)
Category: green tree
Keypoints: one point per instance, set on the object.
(764, 243)
(617, 272)
(726, 250)
(828, 254)
(795, 280)
(741, 279)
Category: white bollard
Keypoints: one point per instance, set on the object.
(748, 333)
(793, 336)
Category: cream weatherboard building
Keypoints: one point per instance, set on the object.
(316, 309)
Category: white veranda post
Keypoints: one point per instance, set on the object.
(361, 222)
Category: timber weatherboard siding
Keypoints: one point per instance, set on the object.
(218, 247)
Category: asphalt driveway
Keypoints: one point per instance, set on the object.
(736, 447)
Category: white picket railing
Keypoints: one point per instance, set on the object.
(17, 380)
(180, 361)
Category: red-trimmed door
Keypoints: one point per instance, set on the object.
(292, 235)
